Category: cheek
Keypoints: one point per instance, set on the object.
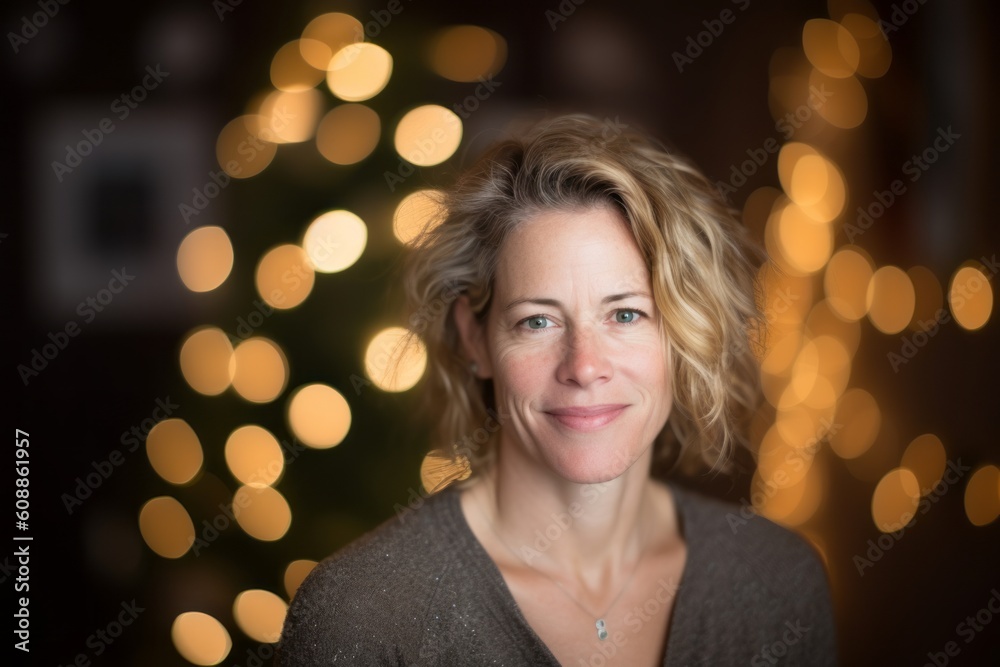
(647, 364)
(523, 370)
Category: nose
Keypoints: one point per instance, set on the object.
(584, 358)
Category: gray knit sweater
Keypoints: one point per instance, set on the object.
(421, 590)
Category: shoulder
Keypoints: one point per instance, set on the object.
(369, 598)
(738, 535)
(764, 582)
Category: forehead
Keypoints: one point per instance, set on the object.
(583, 249)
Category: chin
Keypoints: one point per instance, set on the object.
(593, 464)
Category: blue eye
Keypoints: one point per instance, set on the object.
(627, 316)
(536, 322)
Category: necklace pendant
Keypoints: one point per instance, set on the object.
(602, 632)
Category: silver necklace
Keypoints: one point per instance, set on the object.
(600, 623)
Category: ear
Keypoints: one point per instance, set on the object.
(472, 337)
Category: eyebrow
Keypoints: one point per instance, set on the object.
(611, 298)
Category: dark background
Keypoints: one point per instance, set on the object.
(608, 58)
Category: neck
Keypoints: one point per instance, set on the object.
(589, 532)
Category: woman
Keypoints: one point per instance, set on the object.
(605, 292)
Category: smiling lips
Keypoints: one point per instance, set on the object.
(586, 418)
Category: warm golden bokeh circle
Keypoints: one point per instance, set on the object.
(260, 615)
(348, 133)
(254, 456)
(166, 527)
(428, 135)
(395, 359)
(206, 358)
(285, 276)
(262, 512)
(260, 370)
(335, 240)
(174, 451)
(205, 258)
(201, 639)
(319, 416)
(895, 500)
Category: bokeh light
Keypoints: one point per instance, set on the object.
(291, 72)
(416, 213)
(982, 495)
(335, 240)
(348, 134)
(971, 298)
(174, 451)
(260, 615)
(812, 181)
(467, 53)
(428, 135)
(285, 276)
(822, 319)
(319, 416)
(792, 504)
(166, 527)
(327, 34)
(890, 299)
(925, 456)
(845, 102)
(830, 47)
(289, 117)
(200, 638)
(928, 297)
(296, 573)
(895, 500)
(846, 281)
(205, 258)
(206, 360)
(800, 243)
(873, 48)
(860, 420)
(359, 72)
(242, 149)
(260, 370)
(262, 512)
(254, 456)
(395, 359)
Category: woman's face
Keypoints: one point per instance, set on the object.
(573, 346)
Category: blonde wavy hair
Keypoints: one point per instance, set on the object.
(702, 263)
